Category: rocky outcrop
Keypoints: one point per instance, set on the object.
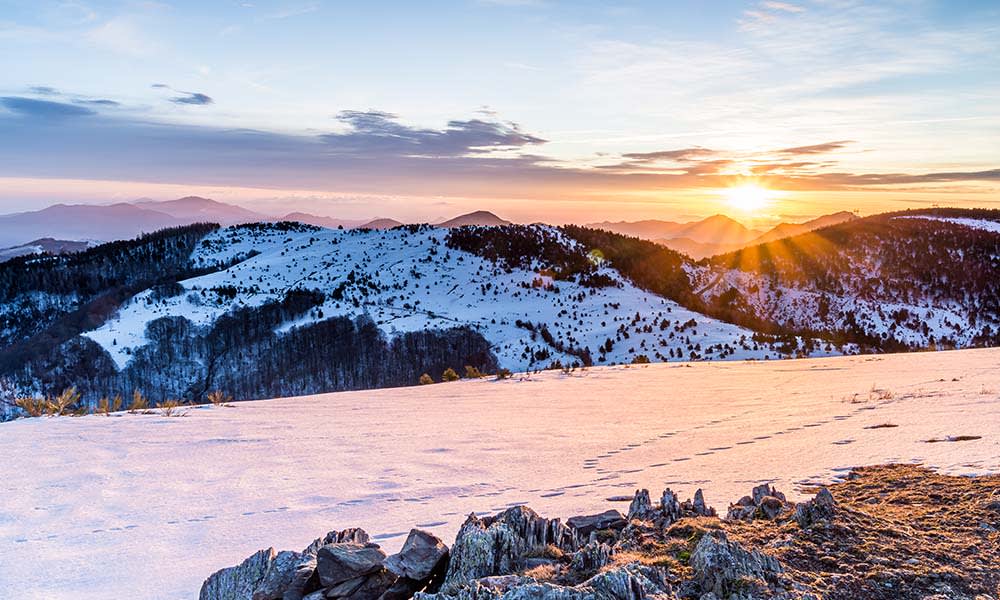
(764, 502)
(497, 545)
(820, 508)
(239, 582)
(725, 568)
(925, 536)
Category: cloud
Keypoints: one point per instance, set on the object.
(380, 133)
(193, 98)
(43, 109)
(816, 149)
(684, 154)
(783, 6)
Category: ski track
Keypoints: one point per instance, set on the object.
(98, 507)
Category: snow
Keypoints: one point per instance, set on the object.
(981, 224)
(144, 505)
(410, 281)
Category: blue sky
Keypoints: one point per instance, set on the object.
(537, 109)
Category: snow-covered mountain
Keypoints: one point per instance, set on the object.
(272, 309)
(44, 246)
(290, 308)
(898, 281)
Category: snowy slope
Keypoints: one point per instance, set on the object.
(144, 506)
(408, 280)
(934, 294)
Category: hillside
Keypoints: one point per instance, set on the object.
(481, 218)
(44, 246)
(83, 222)
(895, 281)
(123, 497)
(715, 235)
(290, 309)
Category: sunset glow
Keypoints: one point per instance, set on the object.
(748, 198)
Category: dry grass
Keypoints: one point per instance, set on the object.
(217, 398)
(140, 404)
(543, 572)
(170, 408)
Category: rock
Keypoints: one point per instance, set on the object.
(497, 545)
(641, 506)
(723, 567)
(591, 557)
(699, 507)
(765, 502)
(820, 508)
(353, 534)
(421, 555)
(371, 587)
(771, 507)
(239, 582)
(629, 582)
(670, 506)
(340, 562)
(287, 577)
(585, 524)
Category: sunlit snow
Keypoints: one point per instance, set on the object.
(147, 506)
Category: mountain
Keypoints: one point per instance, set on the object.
(785, 230)
(275, 309)
(82, 222)
(479, 217)
(648, 230)
(717, 229)
(897, 281)
(327, 222)
(381, 224)
(195, 209)
(44, 246)
(714, 235)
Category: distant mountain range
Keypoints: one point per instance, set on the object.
(126, 220)
(714, 235)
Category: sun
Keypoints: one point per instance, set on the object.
(748, 197)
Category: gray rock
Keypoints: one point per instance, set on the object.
(353, 534)
(641, 506)
(281, 574)
(670, 506)
(722, 567)
(591, 557)
(421, 555)
(497, 545)
(699, 507)
(820, 508)
(585, 524)
(339, 562)
(239, 582)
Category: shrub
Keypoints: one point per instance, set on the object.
(472, 372)
(449, 375)
(168, 408)
(503, 374)
(61, 404)
(139, 402)
(426, 379)
(217, 398)
(640, 359)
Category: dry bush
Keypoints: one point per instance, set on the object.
(217, 398)
(472, 372)
(139, 403)
(426, 379)
(169, 408)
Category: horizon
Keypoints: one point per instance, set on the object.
(764, 111)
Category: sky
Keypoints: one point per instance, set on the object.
(534, 109)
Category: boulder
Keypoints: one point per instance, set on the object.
(497, 545)
(340, 562)
(421, 556)
(723, 567)
(289, 573)
(585, 524)
(820, 508)
(239, 582)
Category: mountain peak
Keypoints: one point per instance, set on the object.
(479, 217)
